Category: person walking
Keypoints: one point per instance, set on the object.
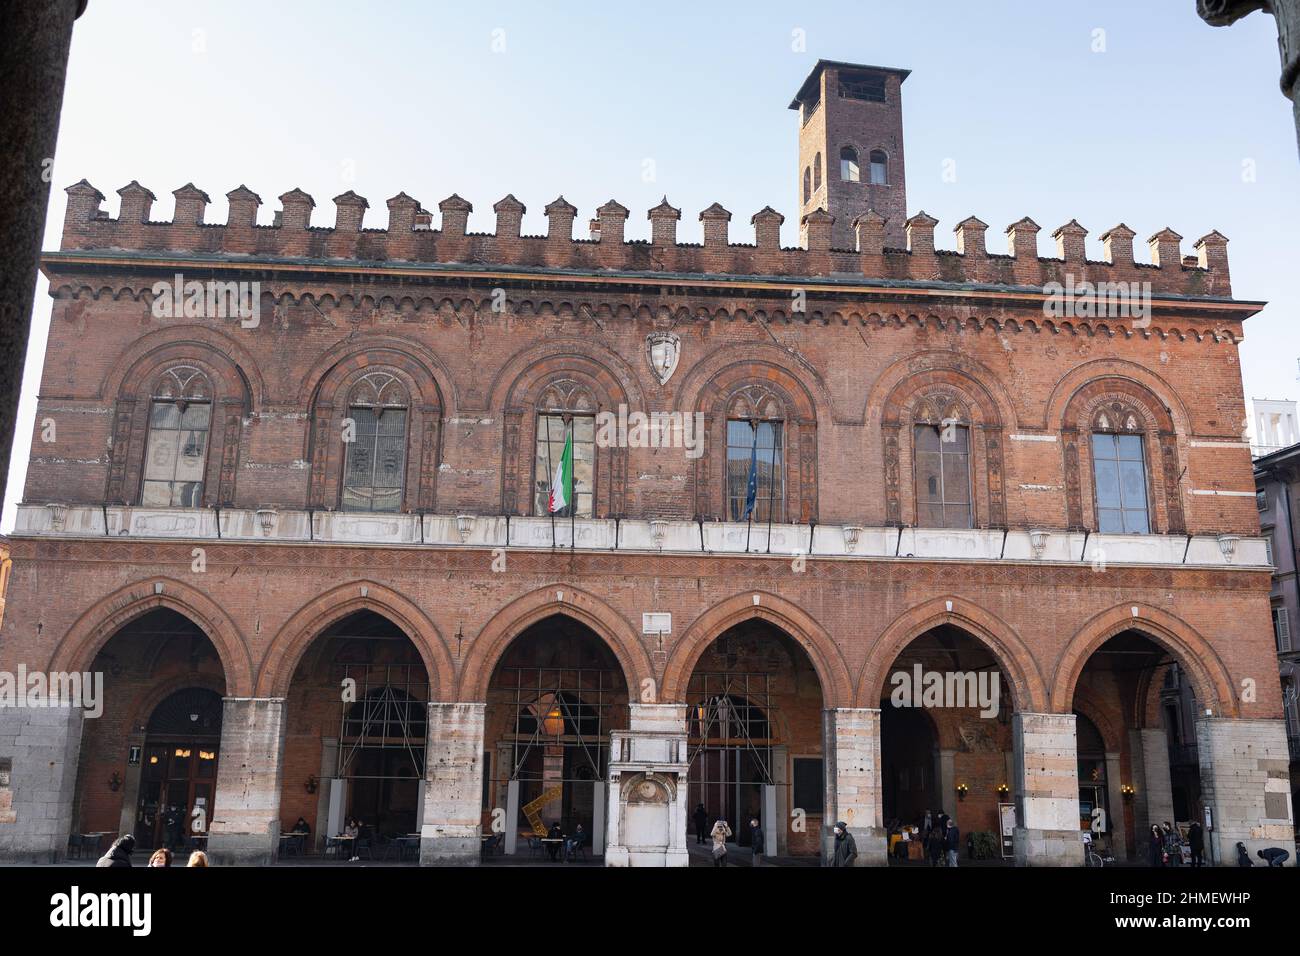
(701, 818)
(1196, 842)
(119, 854)
(756, 840)
(720, 833)
(1156, 846)
(846, 848)
(952, 843)
(1173, 846)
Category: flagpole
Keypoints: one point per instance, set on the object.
(771, 491)
(550, 471)
(752, 476)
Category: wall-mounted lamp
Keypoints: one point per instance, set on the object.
(311, 784)
(115, 782)
(1127, 791)
(1003, 790)
(962, 790)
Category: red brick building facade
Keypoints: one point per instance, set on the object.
(308, 545)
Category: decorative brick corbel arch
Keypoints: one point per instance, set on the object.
(1197, 657)
(562, 377)
(180, 368)
(827, 661)
(1123, 406)
(939, 396)
(1028, 688)
(487, 648)
(370, 370)
(290, 643)
(96, 627)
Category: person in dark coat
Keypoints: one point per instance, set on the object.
(1196, 841)
(934, 845)
(701, 818)
(1275, 855)
(553, 849)
(756, 840)
(172, 825)
(846, 849)
(119, 854)
(1156, 846)
(952, 843)
(1243, 858)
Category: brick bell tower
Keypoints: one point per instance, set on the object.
(851, 148)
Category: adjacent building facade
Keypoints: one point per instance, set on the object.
(291, 487)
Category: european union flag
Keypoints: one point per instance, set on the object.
(751, 487)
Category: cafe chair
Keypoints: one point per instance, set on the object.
(76, 846)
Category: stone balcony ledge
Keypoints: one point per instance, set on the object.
(281, 526)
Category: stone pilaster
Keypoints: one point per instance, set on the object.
(1245, 781)
(41, 746)
(648, 766)
(245, 825)
(453, 793)
(1047, 791)
(853, 789)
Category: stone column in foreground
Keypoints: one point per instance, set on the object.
(853, 789)
(245, 824)
(39, 749)
(1047, 791)
(453, 790)
(647, 810)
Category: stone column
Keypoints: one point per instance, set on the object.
(781, 778)
(453, 795)
(853, 788)
(39, 750)
(648, 766)
(245, 825)
(1115, 818)
(1245, 781)
(1047, 791)
(131, 787)
(946, 780)
(1155, 774)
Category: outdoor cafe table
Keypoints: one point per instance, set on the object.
(338, 843)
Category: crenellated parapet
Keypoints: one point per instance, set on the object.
(410, 237)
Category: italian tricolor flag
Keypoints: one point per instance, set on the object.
(562, 483)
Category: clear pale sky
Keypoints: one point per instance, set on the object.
(1174, 123)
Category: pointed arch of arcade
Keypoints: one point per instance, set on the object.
(77, 649)
(1208, 673)
(828, 662)
(1086, 704)
(523, 612)
(1028, 689)
(308, 623)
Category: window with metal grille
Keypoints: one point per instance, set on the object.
(1120, 480)
(376, 459)
(552, 431)
(862, 86)
(176, 455)
(1282, 629)
(943, 498)
(759, 442)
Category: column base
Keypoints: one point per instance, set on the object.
(446, 849)
(241, 849)
(1048, 847)
(872, 844)
(621, 857)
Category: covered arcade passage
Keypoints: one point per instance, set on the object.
(553, 699)
(945, 743)
(149, 767)
(754, 740)
(357, 714)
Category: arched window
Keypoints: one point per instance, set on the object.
(1119, 470)
(849, 171)
(566, 414)
(375, 444)
(942, 463)
(879, 168)
(807, 183)
(817, 171)
(180, 415)
(755, 456)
